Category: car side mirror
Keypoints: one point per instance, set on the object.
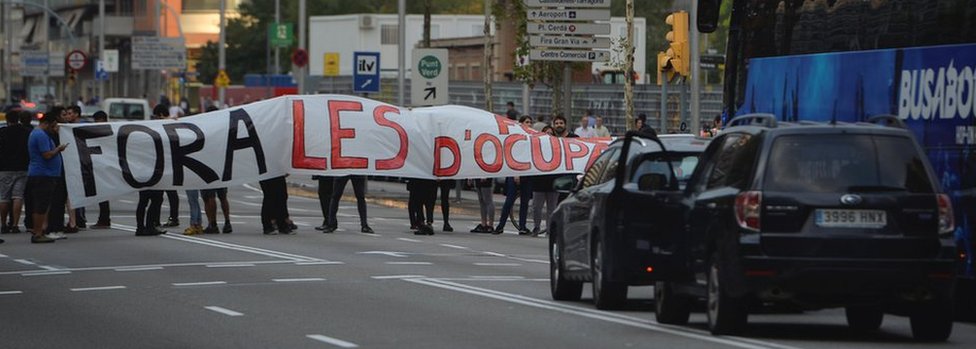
(564, 184)
(652, 182)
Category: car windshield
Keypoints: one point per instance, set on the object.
(846, 163)
(655, 163)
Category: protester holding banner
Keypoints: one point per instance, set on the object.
(543, 194)
(43, 172)
(483, 187)
(150, 205)
(104, 210)
(423, 193)
(445, 186)
(274, 206)
(359, 189)
(210, 197)
(516, 187)
(325, 200)
(59, 198)
(14, 160)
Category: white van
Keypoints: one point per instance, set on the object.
(126, 109)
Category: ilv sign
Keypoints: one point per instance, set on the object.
(428, 80)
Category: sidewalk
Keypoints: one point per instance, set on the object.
(395, 194)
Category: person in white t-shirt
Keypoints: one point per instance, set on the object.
(599, 130)
(584, 130)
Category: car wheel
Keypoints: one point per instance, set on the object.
(932, 322)
(606, 294)
(727, 315)
(864, 319)
(560, 288)
(669, 307)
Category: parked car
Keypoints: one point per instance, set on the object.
(814, 215)
(126, 109)
(624, 208)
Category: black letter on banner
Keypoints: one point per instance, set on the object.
(82, 135)
(234, 143)
(180, 153)
(124, 133)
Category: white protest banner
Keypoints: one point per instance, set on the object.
(330, 135)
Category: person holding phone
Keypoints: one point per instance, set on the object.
(43, 172)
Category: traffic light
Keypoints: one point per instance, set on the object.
(72, 77)
(665, 72)
(678, 53)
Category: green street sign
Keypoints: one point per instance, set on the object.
(281, 34)
(429, 67)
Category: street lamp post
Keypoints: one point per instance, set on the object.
(222, 56)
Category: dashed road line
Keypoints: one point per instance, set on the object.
(409, 263)
(497, 277)
(455, 246)
(224, 311)
(4, 293)
(230, 265)
(388, 277)
(101, 288)
(319, 263)
(202, 283)
(139, 269)
(496, 254)
(24, 261)
(409, 240)
(44, 273)
(334, 341)
(298, 280)
(498, 264)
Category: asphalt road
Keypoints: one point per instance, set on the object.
(111, 289)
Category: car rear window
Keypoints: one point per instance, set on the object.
(846, 163)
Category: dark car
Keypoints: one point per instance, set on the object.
(814, 215)
(605, 230)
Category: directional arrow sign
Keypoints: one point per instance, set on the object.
(568, 15)
(568, 41)
(366, 72)
(428, 77)
(569, 55)
(568, 28)
(568, 3)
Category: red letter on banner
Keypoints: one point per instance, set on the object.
(338, 133)
(298, 157)
(571, 154)
(401, 155)
(479, 155)
(509, 159)
(503, 123)
(598, 148)
(451, 145)
(537, 159)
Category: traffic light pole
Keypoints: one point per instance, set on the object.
(221, 55)
(664, 105)
(695, 68)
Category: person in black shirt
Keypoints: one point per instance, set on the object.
(13, 171)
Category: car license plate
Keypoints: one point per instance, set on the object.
(851, 218)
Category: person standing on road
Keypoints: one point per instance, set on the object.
(423, 192)
(325, 199)
(150, 205)
(543, 194)
(14, 160)
(104, 210)
(274, 206)
(445, 186)
(43, 172)
(359, 189)
(485, 190)
(210, 197)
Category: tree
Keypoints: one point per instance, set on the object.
(654, 13)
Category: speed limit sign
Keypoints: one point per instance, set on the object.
(76, 60)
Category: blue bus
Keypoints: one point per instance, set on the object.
(849, 60)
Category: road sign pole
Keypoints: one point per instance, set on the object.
(401, 49)
(221, 55)
(301, 44)
(695, 68)
(277, 63)
(101, 44)
(664, 105)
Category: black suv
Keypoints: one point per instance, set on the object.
(814, 215)
(605, 230)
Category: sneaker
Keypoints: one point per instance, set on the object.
(292, 226)
(40, 239)
(191, 230)
(329, 230)
(447, 227)
(102, 225)
(146, 232)
(498, 230)
(82, 225)
(478, 229)
(366, 229)
(56, 235)
(1, 241)
(268, 230)
(172, 222)
(227, 228)
(158, 231)
(5, 230)
(70, 230)
(322, 227)
(14, 230)
(286, 231)
(211, 230)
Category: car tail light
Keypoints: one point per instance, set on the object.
(946, 219)
(747, 209)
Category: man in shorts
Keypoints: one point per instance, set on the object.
(13, 171)
(43, 172)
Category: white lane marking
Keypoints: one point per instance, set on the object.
(45, 267)
(224, 311)
(409, 240)
(229, 246)
(139, 269)
(540, 261)
(387, 277)
(319, 263)
(455, 246)
(24, 261)
(336, 342)
(375, 235)
(249, 186)
(103, 288)
(3, 255)
(496, 254)
(230, 265)
(4, 293)
(496, 277)
(387, 253)
(204, 283)
(379, 219)
(498, 264)
(130, 202)
(409, 263)
(246, 203)
(594, 314)
(298, 280)
(42, 273)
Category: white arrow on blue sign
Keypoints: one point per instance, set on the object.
(366, 72)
